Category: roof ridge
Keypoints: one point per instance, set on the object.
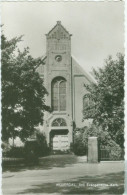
(58, 23)
(51, 30)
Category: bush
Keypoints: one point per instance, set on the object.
(115, 152)
(37, 148)
(42, 144)
(14, 152)
(5, 148)
(79, 146)
(31, 151)
(81, 136)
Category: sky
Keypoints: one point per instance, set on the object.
(97, 28)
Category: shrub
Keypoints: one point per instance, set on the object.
(14, 152)
(5, 148)
(115, 151)
(79, 146)
(31, 150)
(81, 136)
(31, 153)
(36, 148)
(42, 143)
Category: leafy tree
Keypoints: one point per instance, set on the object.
(23, 92)
(107, 97)
(105, 141)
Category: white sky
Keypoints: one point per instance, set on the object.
(97, 27)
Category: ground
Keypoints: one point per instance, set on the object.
(64, 174)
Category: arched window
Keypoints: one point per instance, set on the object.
(59, 122)
(59, 94)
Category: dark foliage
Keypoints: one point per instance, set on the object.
(23, 92)
(105, 141)
(42, 143)
(107, 97)
(14, 152)
(31, 152)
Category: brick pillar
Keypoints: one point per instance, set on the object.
(92, 150)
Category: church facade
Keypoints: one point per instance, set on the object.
(64, 80)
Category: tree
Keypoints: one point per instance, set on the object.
(105, 141)
(107, 97)
(23, 92)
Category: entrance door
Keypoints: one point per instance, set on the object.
(60, 142)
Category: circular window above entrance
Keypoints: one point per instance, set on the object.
(59, 122)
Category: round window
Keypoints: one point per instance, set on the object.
(58, 58)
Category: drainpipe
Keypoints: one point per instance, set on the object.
(71, 88)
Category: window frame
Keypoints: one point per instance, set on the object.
(58, 81)
(59, 122)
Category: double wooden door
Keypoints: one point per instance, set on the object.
(60, 142)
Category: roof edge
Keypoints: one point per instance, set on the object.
(58, 23)
(87, 74)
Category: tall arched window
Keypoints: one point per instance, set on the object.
(59, 94)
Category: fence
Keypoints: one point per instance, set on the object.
(106, 155)
(12, 161)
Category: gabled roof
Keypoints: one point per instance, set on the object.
(78, 70)
(58, 32)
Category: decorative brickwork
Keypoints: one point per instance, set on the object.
(63, 78)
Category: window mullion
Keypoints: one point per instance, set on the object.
(59, 95)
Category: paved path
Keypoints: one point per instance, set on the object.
(62, 174)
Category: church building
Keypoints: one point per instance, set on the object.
(64, 80)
